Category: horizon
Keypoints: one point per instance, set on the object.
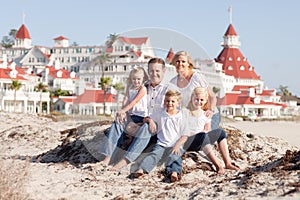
(267, 30)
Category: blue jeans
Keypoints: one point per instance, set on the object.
(115, 136)
(216, 119)
(173, 162)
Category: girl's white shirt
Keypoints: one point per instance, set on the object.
(141, 107)
(195, 123)
(197, 80)
(169, 127)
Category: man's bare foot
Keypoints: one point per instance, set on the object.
(105, 162)
(122, 163)
(174, 177)
(139, 173)
(232, 166)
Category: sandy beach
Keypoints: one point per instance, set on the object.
(286, 130)
(45, 159)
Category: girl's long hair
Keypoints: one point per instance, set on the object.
(198, 91)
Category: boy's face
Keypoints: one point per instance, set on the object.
(171, 103)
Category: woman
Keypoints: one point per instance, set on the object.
(187, 80)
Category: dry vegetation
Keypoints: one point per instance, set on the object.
(14, 175)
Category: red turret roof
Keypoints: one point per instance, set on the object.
(230, 31)
(170, 55)
(234, 63)
(61, 38)
(23, 33)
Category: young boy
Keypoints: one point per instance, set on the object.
(169, 126)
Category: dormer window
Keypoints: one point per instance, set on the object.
(238, 59)
(222, 58)
(229, 58)
(250, 68)
(242, 67)
(230, 68)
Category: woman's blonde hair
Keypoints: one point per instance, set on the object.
(137, 70)
(183, 53)
(199, 91)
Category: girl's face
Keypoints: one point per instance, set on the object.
(199, 101)
(137, 79)
(182, 65)
(171, 103)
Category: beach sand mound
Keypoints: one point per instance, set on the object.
(62, 164)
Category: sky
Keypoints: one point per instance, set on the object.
(269, 30)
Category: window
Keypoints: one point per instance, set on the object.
(229, 58)
(242, 67)
(230, 68)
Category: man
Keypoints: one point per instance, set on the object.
(155, 93)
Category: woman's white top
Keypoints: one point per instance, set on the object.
(141, 107)
(169, 127)
(197, 80)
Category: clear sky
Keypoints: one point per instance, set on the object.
(269, 30)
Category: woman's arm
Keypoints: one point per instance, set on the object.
(212, 99)
(179, 143)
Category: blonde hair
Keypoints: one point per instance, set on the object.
(137, 70)
(173, 93)
(183, 53)
(199, 91)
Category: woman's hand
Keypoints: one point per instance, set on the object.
(120, 117)
(176, 150)
(152, 126)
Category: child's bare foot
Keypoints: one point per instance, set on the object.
(105, 162)
(232, 166)
(139, 173)
(174, 177)
(220, 170)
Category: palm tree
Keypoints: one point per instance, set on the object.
(40, 88)
(111, 39)
(216, 90)
(16, 85)
(104, 84)
(8, 41)
(119, 87)
(284, 90)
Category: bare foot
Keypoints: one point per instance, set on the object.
(105, 162)
(174, 177)
(122, 163)
(139, 173)
(232, 166)
(220, 170)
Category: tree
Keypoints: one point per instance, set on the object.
(40, 88)
(111, 39)
(16, 85)
(216, 90)
(8, 41)
(284, 90)
(104, 84)
(119, 87)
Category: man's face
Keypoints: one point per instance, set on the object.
(156, 73)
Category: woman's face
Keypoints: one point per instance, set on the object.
(182, 66)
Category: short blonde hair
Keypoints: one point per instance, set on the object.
(173, 93)
(183, 53)
(199, 91)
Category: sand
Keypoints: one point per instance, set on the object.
(59, 160)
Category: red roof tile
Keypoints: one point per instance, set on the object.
(235, 64)
(94, 96)
(230, 30)
(136, 41)
(61, 38)
(23, 33)
(170, 55)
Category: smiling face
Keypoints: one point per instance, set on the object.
(182, 66)
(199, 100)
(156, 73)
(137, 79)
(171, 103)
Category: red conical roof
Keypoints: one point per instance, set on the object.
(230, 30)
(234, 63)
(23, 33)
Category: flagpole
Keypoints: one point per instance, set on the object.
(230, 14)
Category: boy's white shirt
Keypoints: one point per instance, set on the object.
(195, 123)
(169, 127)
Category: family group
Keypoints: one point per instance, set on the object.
(180, 115)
